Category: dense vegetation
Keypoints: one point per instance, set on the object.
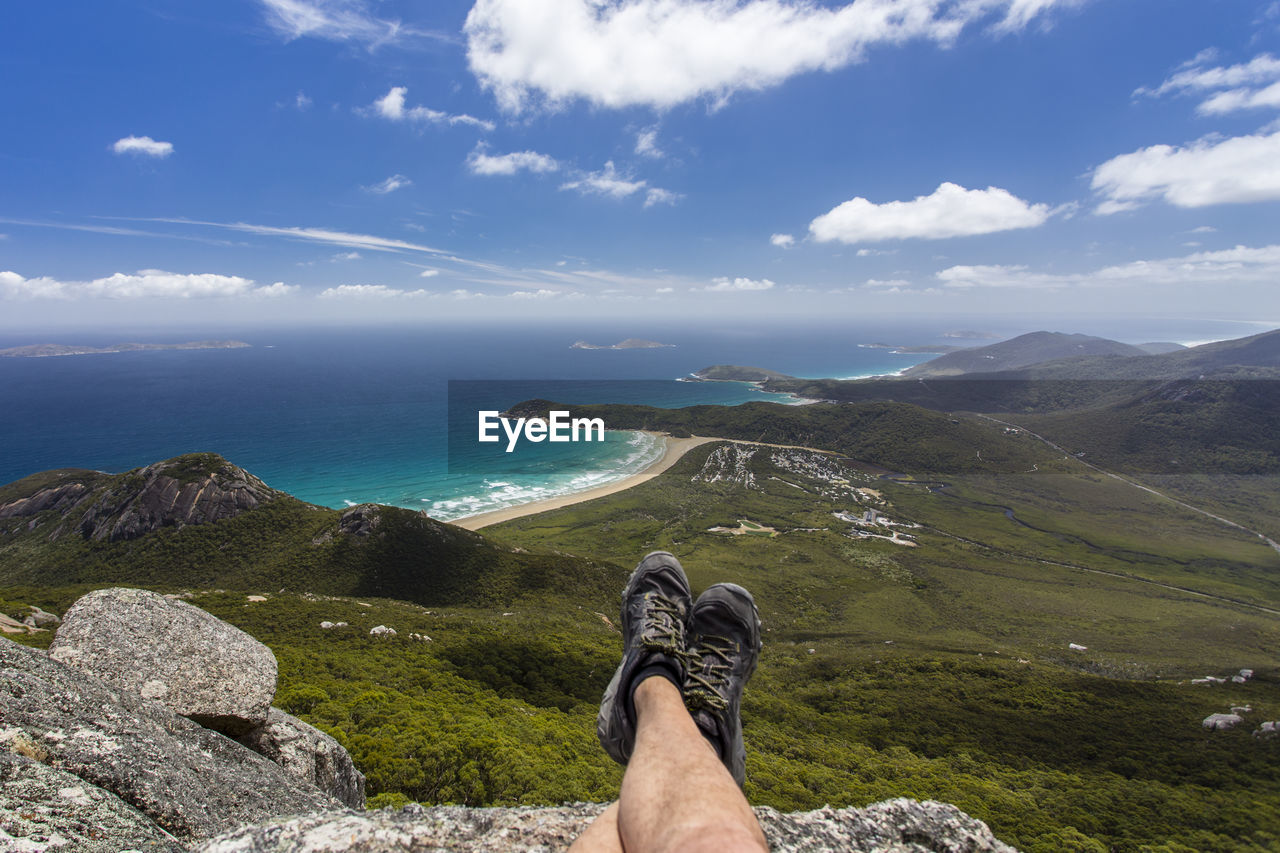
(902, 437)
(941, 669)
(283, 544)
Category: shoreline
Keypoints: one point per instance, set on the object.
(673, 450)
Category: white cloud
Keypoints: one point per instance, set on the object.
(142, 146)
(665, 290)
(606, 182)
(390, 185)
(1234, 100)
(391, 106)
(892, 285)
(725, 284)
(481, 163)
(337, 20)
(1208, 171)
(346, 256)
(1203, 229)
(783, 241)
(870, 253)
(302, 102)
(1241, 265)
(950, 211)
(660, 53)
(541, 293)
(656, 195)
(1236, 87)
(647, 143)
(318, 235)
(368, 291)
(276, 290)
(429, 273)
(144, 284)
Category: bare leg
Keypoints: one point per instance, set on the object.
(676, 795)
(601, 836)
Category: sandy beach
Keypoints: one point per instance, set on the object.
(675, 448)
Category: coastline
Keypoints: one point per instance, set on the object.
(674, 449)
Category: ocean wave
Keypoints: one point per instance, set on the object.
(644, 450)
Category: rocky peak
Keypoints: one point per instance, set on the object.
(196, 488)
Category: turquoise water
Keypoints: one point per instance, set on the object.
(347, 416)
(342, 417)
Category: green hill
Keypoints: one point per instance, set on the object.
(142, 527)
(1024, 350)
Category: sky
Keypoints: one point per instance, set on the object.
(350, 161)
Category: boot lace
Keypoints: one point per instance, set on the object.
(707, 672)
(663, 626)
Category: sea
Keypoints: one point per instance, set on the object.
(343, 416)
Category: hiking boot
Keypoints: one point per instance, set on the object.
(655, 610)
(723, 647)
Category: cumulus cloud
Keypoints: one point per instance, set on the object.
(607, 182)
(480, 162)
(390, 185)
(302, 103)
(950, 211)
(660, 53)
(1208, 171)
(724, 284)
(144, 284)
(142, 146)
(656, 195)
(1241, 265)
(1248, 85)
(783, 241)
(369, 291)
(541, 293)
(429, 273)
(391, 106)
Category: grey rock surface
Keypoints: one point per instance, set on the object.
(42, 808)
(1222, 722)
(192, 782)
(309, 754)
(172, 652)
(173, 493)
(894, 826)
(38, 618)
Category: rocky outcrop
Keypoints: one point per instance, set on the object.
(308, 754)
(190, 781)
(37, 618)
(360, 520)
(193, 489)
(894, 826)
(167, 650)
(43, 808)
(197, 488)
(1222, 722)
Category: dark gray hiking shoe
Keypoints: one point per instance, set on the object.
(723, 647)
(655, 611)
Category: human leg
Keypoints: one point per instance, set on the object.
(677, 795)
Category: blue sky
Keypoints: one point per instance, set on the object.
(341, 160)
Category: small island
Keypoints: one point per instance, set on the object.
(629, 343)
(51, 350)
